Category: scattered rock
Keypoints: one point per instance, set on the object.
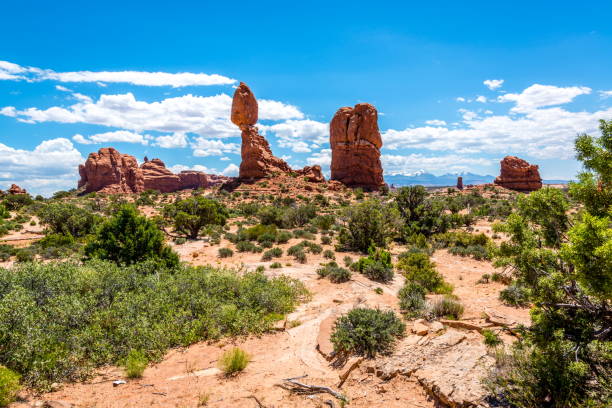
(15, 190)
(517, 174)
(117, 383)
(355, 142)
(419, 328)
(461, 324)
(436, 327)
(350, 365)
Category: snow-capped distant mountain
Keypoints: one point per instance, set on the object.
(427, 179)
(423, 178)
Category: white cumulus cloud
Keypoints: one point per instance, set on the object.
(538, 96)
(117, 136)
(493, 84)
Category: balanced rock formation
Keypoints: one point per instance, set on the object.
(111, 172)
(15, 189)
(517, 174)
(355, 142)
(257, 158)
(459, 183)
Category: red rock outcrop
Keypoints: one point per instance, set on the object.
(15, 189)
(312, 173)
(157, 177)
(190, 179)
(257, 158)
(111, 172)
(517, 174)
(460, 183)
(355, 142)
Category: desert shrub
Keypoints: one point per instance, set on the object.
(490, 338)
(376, 266)
(24, 255)
(515, 295)
(326, 240)
(323, 222)
(6, 251)
(180, 240)
(300, 256)
(477, 246)
(368, 223)
(272, 253)
(303, 234)
(9, 386)
(329, 254)
(275, 265)
(412, 299)
(348, 261)
(225, 253)
(234, 361)
(446, 307)
(67, 219)
(247, 209)
(259, 232)
(135, 364)
(92, 314)
(335, 273)
(366, 332)
(128, 238)
(417, 267)
(313, 248)
(14, 202)
(193, 214)
(283, 237)
(4, 213)
(248, 246)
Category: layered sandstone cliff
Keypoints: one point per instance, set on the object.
(517, 174)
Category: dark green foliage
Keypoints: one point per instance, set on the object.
(367, 332)
(67, 219)
(418, 268)
(272, 253)
(369, 223)
(225, 253)
(376, 266)
(258, 232)
(191, 215)
(247, 246)
(490, 338)
(563, 261)
(329, 254)
(594, 188)
(283, 237)
(4, 213)
(14, 202)
(287, 217)
(275, 265)
(326, 240)
(335, 273)
(128, 238)
(412, 299)
(323, 222)
(6, 251)
(303, 234)
(84, 316)
(9, 386)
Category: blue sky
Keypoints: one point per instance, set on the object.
(156, 79)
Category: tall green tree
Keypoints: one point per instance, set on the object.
(191, 215)
(128, 238)
(565, 263)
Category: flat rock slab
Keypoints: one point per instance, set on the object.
(324, 344)
(449, 366)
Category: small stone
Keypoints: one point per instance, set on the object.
(420, 329)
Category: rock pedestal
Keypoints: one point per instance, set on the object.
(355, 142)
(517, 174)
(460, 183)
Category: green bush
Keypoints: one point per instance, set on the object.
(329, 254)
(417, 267)
(326, 240)
(128, 238)
(412, 299)
(283, 237)
(258, 233)
(300, 256)
(67, 219)
(376, 266)
(234, 361)
(491, 339)
(9, 386)
(275, 265)
(93, 314)
(446, 307)
(272, 253)
(225, 253)
(369, 223)
(247, 246)
(135, 364)
(191, 215)
(4, 213)
(348, 261)
(366, 332)
(335, 273)
(14, 202)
